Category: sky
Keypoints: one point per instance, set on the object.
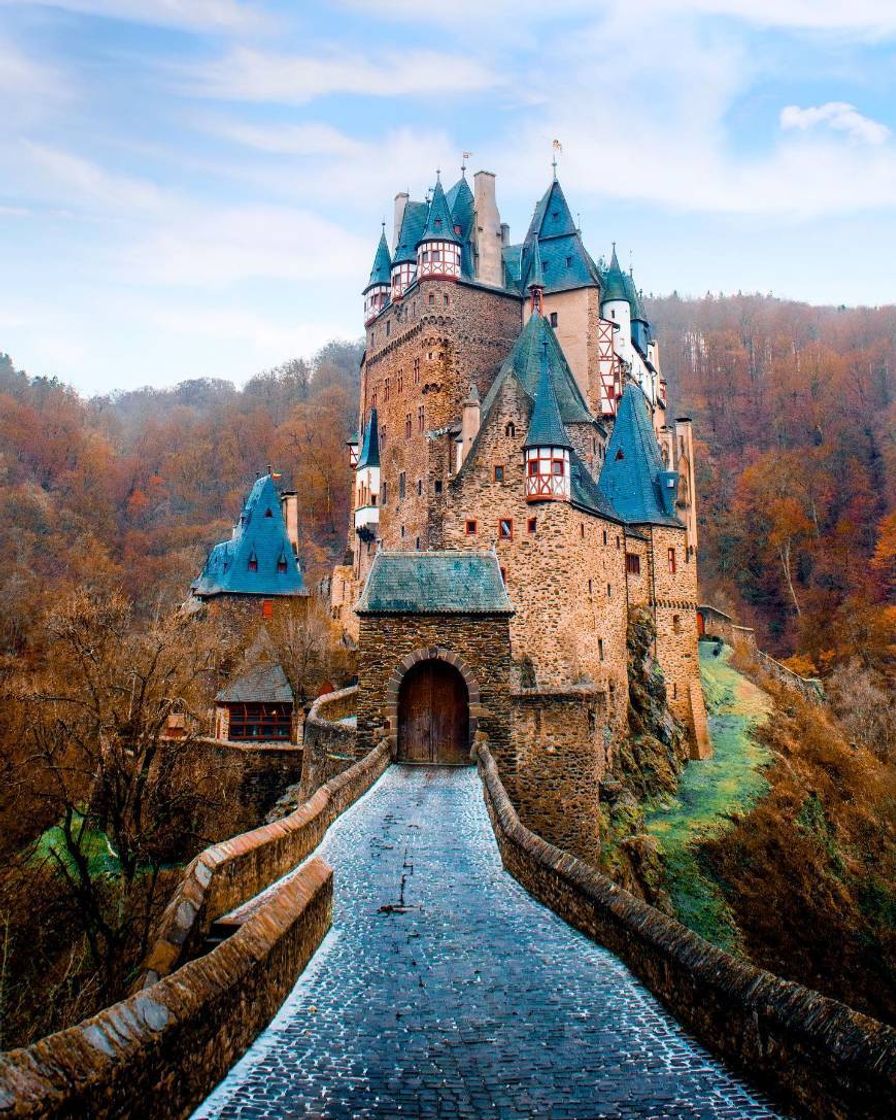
(194, 188)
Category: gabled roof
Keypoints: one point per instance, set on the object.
(370, 451)
(565, 262)
(632, 467)
(382, 264)
(412, 226)
(545, 426)
(456, 582)
(460, 200)
(439, 220)
(525, 362)
(263, 684)
(249, 563)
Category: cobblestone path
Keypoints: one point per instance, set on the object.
(444, 990)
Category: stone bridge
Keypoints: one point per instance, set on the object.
(445, 990)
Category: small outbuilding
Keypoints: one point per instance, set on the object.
(258, 707)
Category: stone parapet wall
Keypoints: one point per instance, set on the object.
(825, 1058)
(230, 873)
(331, 747)
(159, 1053)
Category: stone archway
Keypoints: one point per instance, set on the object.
(432, 703)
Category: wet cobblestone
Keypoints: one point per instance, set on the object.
(444, 990)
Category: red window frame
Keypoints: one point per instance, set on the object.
(505, 523)
(673, 564)
(471, 528)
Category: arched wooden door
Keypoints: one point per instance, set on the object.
(433, 715)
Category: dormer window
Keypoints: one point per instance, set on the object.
(268, 513)
(619, 454)
(253, 563)
(281, 564)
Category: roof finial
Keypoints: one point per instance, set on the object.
(438, 174)
(557, 149)
(463, 163)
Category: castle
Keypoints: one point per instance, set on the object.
(518, 489)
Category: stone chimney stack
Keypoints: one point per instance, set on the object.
(472, 417)
(487, 234)
(687, 489)
(401, 200)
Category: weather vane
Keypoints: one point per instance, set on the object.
(558, 149)
(463, 162)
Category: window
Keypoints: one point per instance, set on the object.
(416, 371)
(605, 536)
(569, 262)
(419, 487)
(383, 436)
(590, 588)
(269, 513)
(386, 387)
(600, 648)
(553, 318)
(676, 623)
(609, 591)
(384, 493)
(557, 467)
(267, 608)
(260, 721)
(505, 529)
(633, 564)
(531, 524)
(401, 485)
(253, 563)
(402, 532)
(672, 564)
(504, 576)
(407, 426)
(619, 542)
(499, 474)
(582, 531)
(510, 430)
(399, 383)
(619, 454)
(421, 419)
(471, 528)
(417, 544)
(373, 400)
(281, 564)
(432, 299)
(447, 299)
(438, 486)
(388, 328)
(674, 691)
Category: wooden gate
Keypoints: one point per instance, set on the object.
(434, 715)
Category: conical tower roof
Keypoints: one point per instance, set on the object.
(630, 476)
(614, 281)
(634, 299)
(545, 426)
(382, 263)
(370, 451)
(439, 222)
(536, 272)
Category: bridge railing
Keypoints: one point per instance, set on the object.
(824, 1057)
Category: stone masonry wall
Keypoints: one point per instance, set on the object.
(825, 1058)
(674, 602)
(159, 1053)
(330, 746)
(479, 646)
(561, 744)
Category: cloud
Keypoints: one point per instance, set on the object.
(838, 115)
(80, 180)
(249, 74)
(194, 15)
(26, 80)
(290, 139)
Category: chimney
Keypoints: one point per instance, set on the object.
(472, 416)
(487, 232)
(684, 461)
(505, 233)
(401, 200)
(289, 504)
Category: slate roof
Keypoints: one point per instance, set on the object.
(525, 361)
(456, 582)
(439, 220)
(370, 451)
(545, 426)
(585, 493)
(460, 199)
(412, 226)
(264, 684)
(565, 262)
(614, 281)
(633, 464)
(536, 272)
(382, 264)
(258, 537)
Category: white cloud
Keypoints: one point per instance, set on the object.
(79, 180)
(290, 139)
(196, 15)
(249, 74)
(26, 80)
(838, 115)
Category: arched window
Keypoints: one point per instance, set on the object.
(510, 430)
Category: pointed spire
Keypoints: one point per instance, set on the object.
(382, 262)
(536, 272)
(546, 426)
(370, 451)
(439, 221)
(614, 281)
(633, 476)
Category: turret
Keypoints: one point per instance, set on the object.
(640, 326)
(547, 447)
(376, 294)
(535, 285)
(367, 481)
(614, 305)
(470, 421)
(438, 250)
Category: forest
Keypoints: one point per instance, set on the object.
(108, 506)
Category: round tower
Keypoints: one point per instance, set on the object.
(438, 250)
(376, 294)
(615, 306)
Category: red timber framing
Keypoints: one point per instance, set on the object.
(608, 366)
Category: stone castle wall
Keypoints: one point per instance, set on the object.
(331, 746)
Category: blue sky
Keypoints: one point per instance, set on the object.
(193, 188)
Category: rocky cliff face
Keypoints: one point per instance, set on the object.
(645, 765)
